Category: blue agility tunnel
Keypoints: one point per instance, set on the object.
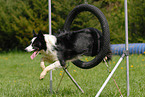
(134, 48)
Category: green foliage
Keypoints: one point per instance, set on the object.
(137, 20)
(18, 18)
(33, 16)
(115, 17)
(7, 37)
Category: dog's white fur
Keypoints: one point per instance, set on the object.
(30, 48)
(49, 55)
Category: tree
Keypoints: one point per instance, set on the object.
(19, 17)
(137, 20)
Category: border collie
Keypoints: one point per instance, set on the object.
(66, 46)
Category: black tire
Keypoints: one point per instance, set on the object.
(105, 32)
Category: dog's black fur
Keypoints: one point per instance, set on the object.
(76, 43)
(70, 45)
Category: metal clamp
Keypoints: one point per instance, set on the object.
(126, 52)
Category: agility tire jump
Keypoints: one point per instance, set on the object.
(105, 33)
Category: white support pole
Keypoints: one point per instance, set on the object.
(112, 72)
(50, 32)
(73, 80)
(49, 3)
(126, 53)
(126, 46)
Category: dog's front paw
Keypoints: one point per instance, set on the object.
(42, 75)
(42, 68)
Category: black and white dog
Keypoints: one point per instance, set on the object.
(66, 46)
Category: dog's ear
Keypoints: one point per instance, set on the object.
(40, 35)
(34, 34)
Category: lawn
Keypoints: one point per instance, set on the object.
(19, 77)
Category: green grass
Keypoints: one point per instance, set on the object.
(19, 77)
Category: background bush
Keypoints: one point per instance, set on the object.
(18, 18)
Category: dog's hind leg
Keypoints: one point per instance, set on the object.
(50, 67)
(42, 64)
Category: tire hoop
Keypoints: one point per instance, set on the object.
(105, 32)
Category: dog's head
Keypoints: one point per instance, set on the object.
(37, 44)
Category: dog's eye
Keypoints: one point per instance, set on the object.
(36, 45)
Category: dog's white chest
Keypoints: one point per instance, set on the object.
(50, 56)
